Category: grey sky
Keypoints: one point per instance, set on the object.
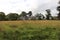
(36, 6)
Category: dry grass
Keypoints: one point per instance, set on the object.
(55, 23)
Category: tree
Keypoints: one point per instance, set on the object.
(12, 16)
(23, 13)
(2, 16)
(48, 16)
(58, 8)
(39, 16)
(30, 13)
(23, 16)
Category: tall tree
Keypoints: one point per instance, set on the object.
(12, 16)
(48, 16)
(2, 16)
(58, 8)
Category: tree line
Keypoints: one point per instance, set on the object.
(28, 16)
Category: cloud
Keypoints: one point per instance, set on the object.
(8, 6)
(17, 5)
(47, 4)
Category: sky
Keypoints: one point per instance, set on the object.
(36, 6)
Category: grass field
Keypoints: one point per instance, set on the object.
(30, 30)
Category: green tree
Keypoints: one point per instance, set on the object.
(12, 16)
(2, 16)
(40, 16)
(30, 13)
(23, 13)
(58, 8)
(23, 16)
(48, 16)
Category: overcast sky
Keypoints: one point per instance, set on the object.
(36, 6)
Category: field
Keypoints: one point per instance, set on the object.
(30, 30)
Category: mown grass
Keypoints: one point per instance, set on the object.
(30, 30)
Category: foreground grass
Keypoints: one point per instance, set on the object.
(30, 30)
